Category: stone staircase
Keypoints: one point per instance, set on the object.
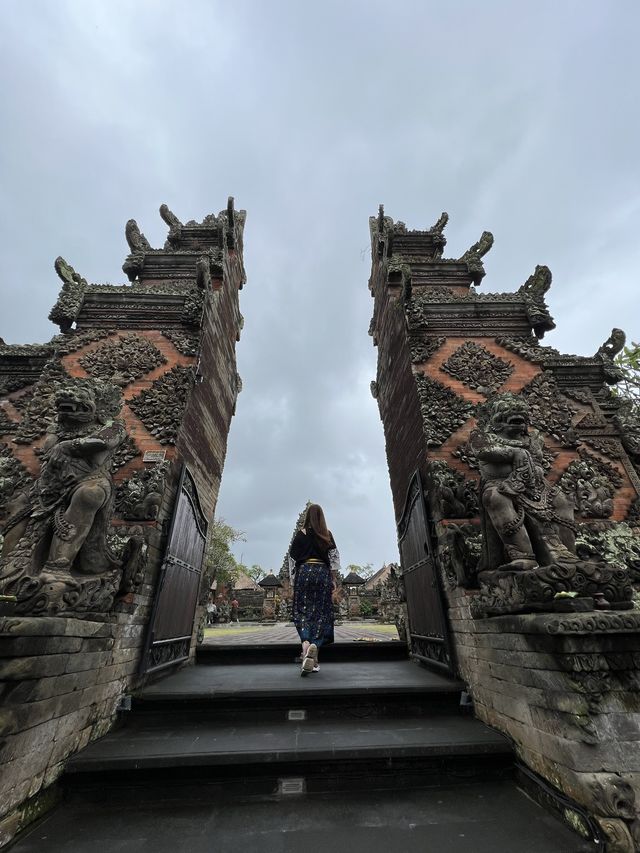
(241, 753)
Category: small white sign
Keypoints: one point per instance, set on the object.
(154, 455)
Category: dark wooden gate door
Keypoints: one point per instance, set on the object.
(171, 627)
(427, 627)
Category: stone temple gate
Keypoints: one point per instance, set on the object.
(515, 473)
(111, 456)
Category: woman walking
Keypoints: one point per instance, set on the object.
(314, 553)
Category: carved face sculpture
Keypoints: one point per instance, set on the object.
(509, 415)
(75, 405)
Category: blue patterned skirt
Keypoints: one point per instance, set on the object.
(312, 605)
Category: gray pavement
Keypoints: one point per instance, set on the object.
(250, 633)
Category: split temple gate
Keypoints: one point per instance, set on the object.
(515, 478)
(113, 439)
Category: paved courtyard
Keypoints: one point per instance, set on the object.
(248, 633)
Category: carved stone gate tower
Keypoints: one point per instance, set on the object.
(515, 478)
(113, 438)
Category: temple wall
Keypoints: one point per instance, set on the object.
(565, 688)
(168, 342)
(562, 685)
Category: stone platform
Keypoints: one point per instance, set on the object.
(365, 755)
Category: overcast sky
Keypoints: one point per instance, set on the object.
(520, 118)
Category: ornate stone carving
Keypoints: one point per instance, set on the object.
(135, 238)
(443, 411)
(604, 469)
(175, 227)
(440, 224)
(450, 493)
(126, 451)
(423, 348)
(474, 254)
(39, 410)
(67, 308)
(529, 523)
(614, 796)
(14, 481)
(161, 407)
(627, 419)
(478, 368)
(608, 446)
(187, 343)
(617, 543)
(613, 345)
(591, 492)
(460, 547)
(534, 290)
(59, 561)
(618, 835)
(528, 348)
(124, 360)
(373, 387)
(633, 515)
(525, 521)
(193, 307)
(140, 496)
(549, 410)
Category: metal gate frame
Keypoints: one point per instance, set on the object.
(428, 627)
(168, 639)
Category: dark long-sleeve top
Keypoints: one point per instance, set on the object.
(304, 547)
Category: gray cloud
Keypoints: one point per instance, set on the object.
(520, 118)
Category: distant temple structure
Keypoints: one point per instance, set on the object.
(515, 475)
(113, 438)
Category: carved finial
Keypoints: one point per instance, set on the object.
(538, 283)
(380, 218)
(135, 238)
(440, 225)
(480, 248)
(67, 272)
(613, 345)
(169, 217)
(230, 211)
(474, 254)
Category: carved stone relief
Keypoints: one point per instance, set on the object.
(422, 348)
(123, 361)
(443, 411)
(187, 343)
(450, 493)
(140, 496)
(591, 491)
(58, 560)
(38, 406)
(67, 308)
(14, 480)
(549, 410)
(478, 368)
(161, 407)
(529, 552)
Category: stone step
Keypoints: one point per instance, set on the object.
(237, 653)
(488, 817)
(267, 691)
(148, 748)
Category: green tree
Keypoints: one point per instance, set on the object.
(629, 363)
(255, 572)
(220, 564)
